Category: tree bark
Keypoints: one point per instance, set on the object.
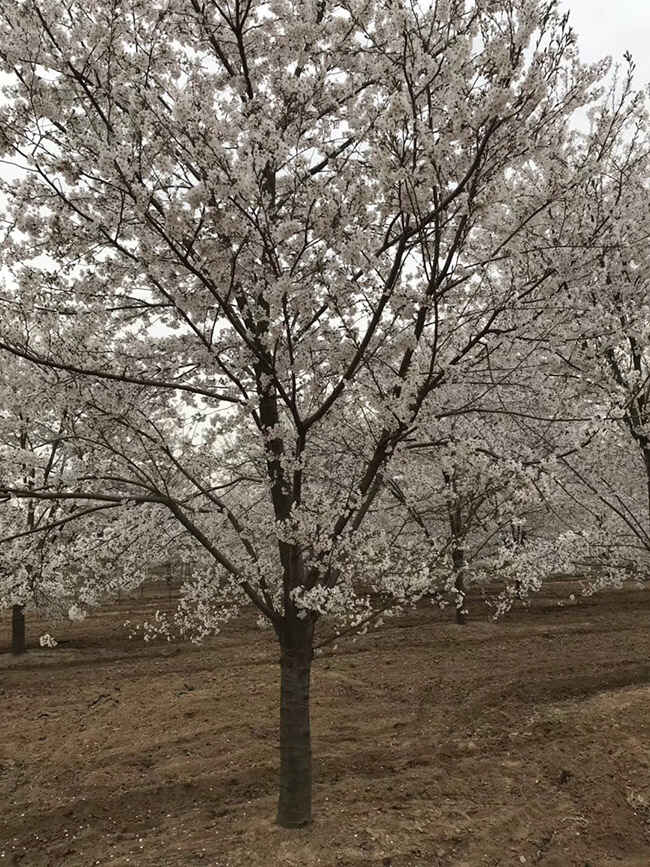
(646, 461)
(18, 630)
(458, 556)
(460, 605)
(294, 804)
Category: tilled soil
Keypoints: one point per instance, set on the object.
(521, 742)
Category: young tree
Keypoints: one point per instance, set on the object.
(471, 489)
(284, 216)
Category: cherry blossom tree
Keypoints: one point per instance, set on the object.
(601, 346)
(484, 476)
(289, 225)
(33, 454)
(60, 556)
(471, 491)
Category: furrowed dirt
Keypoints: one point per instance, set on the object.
(521, 742)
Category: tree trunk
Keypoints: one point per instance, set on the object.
(460, 601)
(18, 630)
(294, 804)
(646, 460)
(458, 556)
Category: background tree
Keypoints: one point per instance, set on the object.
(34, 454)
(600, 350)
(472, 493)
(59, 554)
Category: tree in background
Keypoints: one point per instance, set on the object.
(279, 218)
(472, 495)
(600, 351)
(34, 454)
(61, 555)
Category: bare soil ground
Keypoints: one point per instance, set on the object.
(521, 742)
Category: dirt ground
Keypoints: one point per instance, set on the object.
(521, 742)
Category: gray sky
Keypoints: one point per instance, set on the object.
(610, 27)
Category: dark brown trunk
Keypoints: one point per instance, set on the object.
(294, 804)
(18, 630)
(459, 584)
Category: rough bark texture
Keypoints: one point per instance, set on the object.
(294, 804)
(18, 630)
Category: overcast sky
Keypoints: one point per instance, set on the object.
(612, 27)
